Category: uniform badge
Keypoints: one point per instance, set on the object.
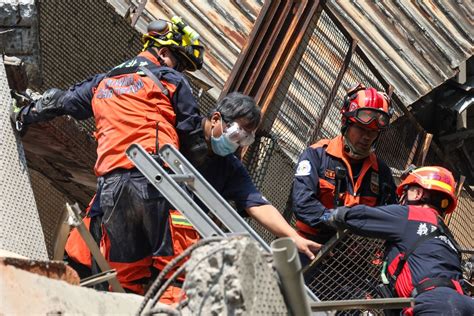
(330, 174)
(304, 168)
(374, 182)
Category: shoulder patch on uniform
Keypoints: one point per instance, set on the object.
(304, 168)
(330, 174)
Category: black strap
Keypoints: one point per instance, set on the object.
(133, 69)
(445, 231)
(442, 230)
(155, 80)
(432, 283)
(404, 257)
(122, 71)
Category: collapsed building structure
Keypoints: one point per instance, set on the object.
(295, 58)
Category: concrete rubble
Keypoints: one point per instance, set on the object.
(25, 293)
(228, 277)
(19, 34)
(232, 277)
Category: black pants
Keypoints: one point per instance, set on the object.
(133, 227)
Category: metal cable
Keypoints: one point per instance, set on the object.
(164, 309)
(175, 275)
(165, 285)
(157, 283)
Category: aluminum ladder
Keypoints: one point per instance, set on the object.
(170, 185)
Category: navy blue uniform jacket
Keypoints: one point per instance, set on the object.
(401, 226)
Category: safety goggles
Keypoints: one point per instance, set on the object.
(238, 135)
(368, 116)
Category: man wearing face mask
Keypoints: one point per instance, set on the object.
(344, 170)
(230, 125)
(145, 100)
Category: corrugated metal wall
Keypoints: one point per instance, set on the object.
(416, 45)
(304, 116)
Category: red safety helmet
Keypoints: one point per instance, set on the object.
(436, 179)
(366, 107)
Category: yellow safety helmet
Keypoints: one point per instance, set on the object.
(179, 37)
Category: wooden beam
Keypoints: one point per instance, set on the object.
(332, 94)
(424, 149)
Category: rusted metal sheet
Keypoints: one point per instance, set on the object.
(272, 44)
(56, 270)
(416, 45)
(224, 27)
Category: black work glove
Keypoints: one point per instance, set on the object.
(335, 218)
(194, 147)
(19, 105)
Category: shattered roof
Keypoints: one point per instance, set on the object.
(417, 45)
(223, 26)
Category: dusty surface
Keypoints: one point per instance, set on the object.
(232, 277)
(20, 226)
(24, 293)
(56, 270)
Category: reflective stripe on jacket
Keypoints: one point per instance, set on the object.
(314, 184)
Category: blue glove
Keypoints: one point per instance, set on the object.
(328, 218)
(335, 218)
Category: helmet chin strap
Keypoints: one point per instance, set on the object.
(350, 150)
(153, 51)
(423, 200)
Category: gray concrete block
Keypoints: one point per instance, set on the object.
(232, 277)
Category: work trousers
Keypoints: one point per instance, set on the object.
(133, 227)
(443, 301)
(139, 231)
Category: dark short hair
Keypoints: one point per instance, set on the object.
(237, 105)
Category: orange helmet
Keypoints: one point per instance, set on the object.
(366, 107)
(436, 179)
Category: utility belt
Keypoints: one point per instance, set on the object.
(388, 291)
(120, 171)
(430, 284)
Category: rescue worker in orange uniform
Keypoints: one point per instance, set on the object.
(145, 100)
(423, 260)
(346, 164)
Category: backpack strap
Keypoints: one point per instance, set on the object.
(445, 231)
(152, 76)
(135, 69)
(442, 230)
(404, 257)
